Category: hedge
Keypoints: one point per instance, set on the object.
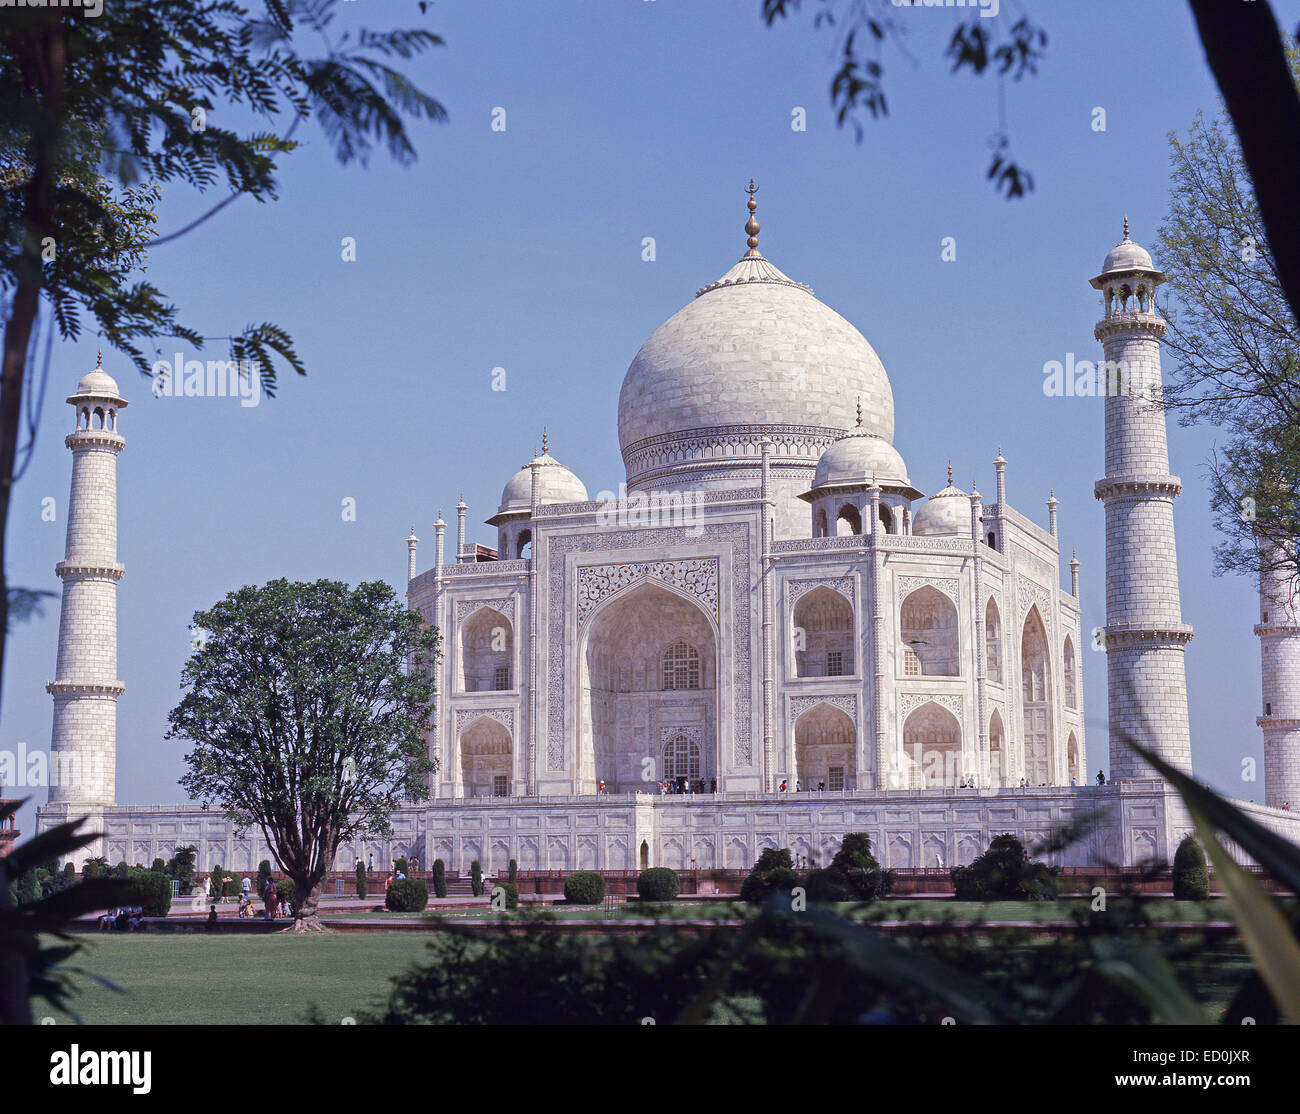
(586, 887)
(1191, 878)
(659, 883)
(407, 895)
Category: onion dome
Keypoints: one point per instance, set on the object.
(1124, 258)
(946, 513)
(555, 484)
(857, 459)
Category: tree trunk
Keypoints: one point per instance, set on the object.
(307, 919)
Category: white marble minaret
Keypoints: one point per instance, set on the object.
(1145, 634)
(83, 746)
(1279, 647)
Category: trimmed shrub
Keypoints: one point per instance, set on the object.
(152, 891)
(513, 874)
(1191, 876)
(586, 887)
(511, 892)
(402, 866)
(158, 866)
(439, 878)
(121, 870)
(361, 879)
(1004, 873)
(263, 876)
(476, 878)
(407, 895)
(659, 883)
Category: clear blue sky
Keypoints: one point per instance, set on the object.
(522, 250)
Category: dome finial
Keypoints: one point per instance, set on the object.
(1125, 226)
(99, 360)
(950, 473)
(859, 411)
(543, 440)
(752, 226)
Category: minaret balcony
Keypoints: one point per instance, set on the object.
(1265, 630)
(89, 570)
(1119, 486)
(85, 688)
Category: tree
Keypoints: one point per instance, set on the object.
(476, 878)
(858, 869)
(306, 709)
(93, 106)
(361, 879)
(1004, 873)
(181, 867)
(1235, 345)
(439, 878)
(773, 872)
(1191, 879)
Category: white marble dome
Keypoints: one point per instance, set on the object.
(1127, 256)
(754, 354)
(857, 459)
(945, 513)
(98, 383)
(555, 484)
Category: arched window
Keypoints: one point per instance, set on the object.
(681, 758)
(681, 664)
(1071, 682)
(823, 634)
(1034, 697)
(1072, 758)
(848, 521)
(524, 546)
(887, 518)
(819, 525)
(997, 755)
(993, 642)
(928, 625)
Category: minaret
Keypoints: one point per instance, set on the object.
(1145, 634)
(83, 745)
(1279, 647)
(411, 543)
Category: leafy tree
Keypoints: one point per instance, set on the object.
(773, 872)
(1190, 877)
(94, 868)
(402, 866)
(1235, 346)
(1004, 873)
(181, 867)
(158, 866)
(101, 112)
(857, 868)
(305, 719)
(263, 876)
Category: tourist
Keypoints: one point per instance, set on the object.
(713, 785)
(821, 786)
(246, 889)
(784, 788)
(1101, 778)
(798, 785)
(284, 906)
(245, 905)
(268, 900)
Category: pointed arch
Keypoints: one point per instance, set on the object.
(848, 518)
(822, 634)
(1070, 671)
(487, 640)
(1072, 758)
(1036, 699)
(486, 758)
(997, 751)
(928, 627)
(932, 747)
(993, 642)
(825, 749)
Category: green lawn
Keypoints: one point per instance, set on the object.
(173, 979)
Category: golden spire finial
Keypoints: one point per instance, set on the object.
(99, 358)
(950, 473)
(752, 226)
(859, 410)
(543, 440)
(1126, 226)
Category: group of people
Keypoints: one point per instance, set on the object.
(687, 785)
(273, 902)
(125, 918)
(784, 787)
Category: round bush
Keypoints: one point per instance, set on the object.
(1191, 878)
(659, 883)
(511, 892)
(825, 885)
(408, 895)
(586, 887)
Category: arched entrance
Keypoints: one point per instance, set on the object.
(825, 749)
(1035, 697)
(485, 759)
(486, 652)
(649, 691)
(932, 744)
(997, 751)
(823, 634)
(645, 855)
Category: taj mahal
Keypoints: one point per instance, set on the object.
(769, 619)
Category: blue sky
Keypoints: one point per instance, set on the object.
(522, 249)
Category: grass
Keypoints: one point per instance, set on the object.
(236, 980)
